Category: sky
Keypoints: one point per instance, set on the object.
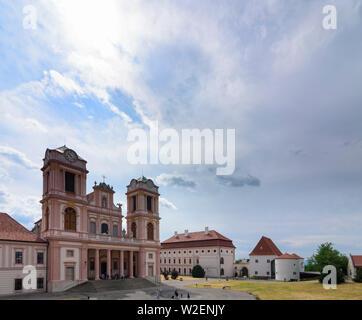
(85, 73)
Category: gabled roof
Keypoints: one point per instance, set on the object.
(14, 231)
(196, 236)
(265, 247)
(357, 261)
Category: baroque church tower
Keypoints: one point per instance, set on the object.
(64, 185)
(143, 219)
(142, 210)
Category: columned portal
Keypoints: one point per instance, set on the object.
(112, 264)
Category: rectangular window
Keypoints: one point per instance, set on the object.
(91, 265)
(70, 253)
(149, 203)
(40, 258)
(134, 198)
(69, 181)
(150, 256)
(69, 272)
(115, 231)
(18, 284)
(92, 227)
(18, 257)
(40, 283)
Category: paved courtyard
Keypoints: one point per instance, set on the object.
(116, 290)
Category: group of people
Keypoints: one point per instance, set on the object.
(175, 296)
(114, 276)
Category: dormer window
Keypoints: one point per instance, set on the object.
(104, 202)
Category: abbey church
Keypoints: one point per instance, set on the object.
(82, 236)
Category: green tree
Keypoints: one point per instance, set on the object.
(174, 274)
(165, 274)
(358, 277)
(327, 255)
(198, 271)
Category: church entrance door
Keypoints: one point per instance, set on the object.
(103, 268)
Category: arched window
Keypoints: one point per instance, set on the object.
(70, 220)
(104, 228)
(104, 202)
(150, 231)
(221, 272)
(134, 229)
(221, 260)
(46, 222)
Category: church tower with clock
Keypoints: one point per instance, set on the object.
(64, 181)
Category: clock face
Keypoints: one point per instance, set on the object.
(70, 155)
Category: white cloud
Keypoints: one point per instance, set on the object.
(167, 204)
(66, 83)
(17, 157)
(172, 180)
(79, 105)
(25, 206)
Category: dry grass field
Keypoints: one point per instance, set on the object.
(184, 278)
(303, 290)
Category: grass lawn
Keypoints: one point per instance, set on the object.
(184, 278)
(303, 290)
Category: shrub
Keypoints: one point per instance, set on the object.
(174, 274)
(198, 271)
(358, 277)
(165, 274)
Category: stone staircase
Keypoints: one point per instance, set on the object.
(112, 285)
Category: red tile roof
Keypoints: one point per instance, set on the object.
(265, 247)
(288, 256)
(296, 256)
(14, 231)
(197, 239)
(197, 236)
(357, 261)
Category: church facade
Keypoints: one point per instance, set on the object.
(88, 236)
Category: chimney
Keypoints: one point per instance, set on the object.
(176, 235)
(206, 230)
(186, 233)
